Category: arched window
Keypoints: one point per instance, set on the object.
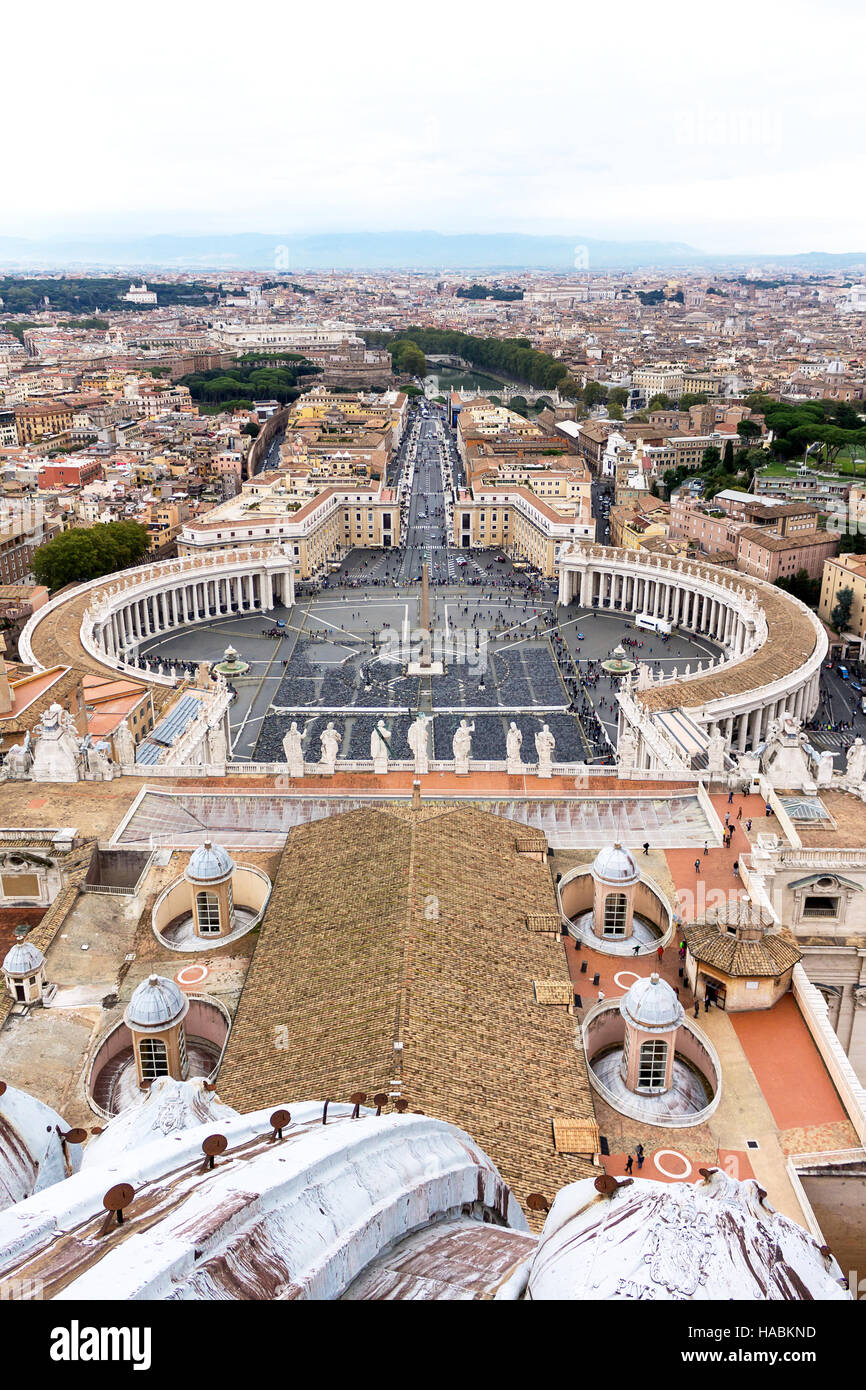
(652, 1065)
(153, 1058)
(208, 913)
(615, 912)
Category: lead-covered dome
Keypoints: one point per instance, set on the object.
(615, 865)
(209, 863)
(157, 1003)
(23, 959)
(652, 1005)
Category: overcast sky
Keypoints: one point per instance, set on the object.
(734, 128)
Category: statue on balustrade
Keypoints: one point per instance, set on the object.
(293, 751)
(330, 740)
(461, 745)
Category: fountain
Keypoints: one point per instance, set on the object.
(232, 664)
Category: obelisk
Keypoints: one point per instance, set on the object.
(426, 666)
(425, 618)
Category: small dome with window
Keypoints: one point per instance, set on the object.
(209, 863)
(23, 959)
(652, 1005)
(157, 1003)
(615, 864)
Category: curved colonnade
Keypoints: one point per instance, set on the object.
(113, 615)
(774, 645)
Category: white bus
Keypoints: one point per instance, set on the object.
(653, 625)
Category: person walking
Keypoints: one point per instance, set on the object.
(706, 1003)
(646, 846)
(727, 818)
(636, 951)
(730, 798)
(748, 825)
(706, 847)
(660, 953)
(697, 866)
(639, 1152)
(740, 813)
(736, 868)
(601, 995)
(629, 1164)
(697, 1007)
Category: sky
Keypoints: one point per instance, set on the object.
(732, 128)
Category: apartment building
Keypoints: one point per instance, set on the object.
(35, 421)
(320, 530)
(844, 572)
(24, 526)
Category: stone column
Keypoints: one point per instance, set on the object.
(742, 730)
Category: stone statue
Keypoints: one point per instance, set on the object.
(56, 755)
(513, 744)
(217, 745)
(825, 768)
(626, 750)
(330, 741)
(418, 733)
(18, 760)
(461, 745)
(124, 745)
(544, 746)
(380, 747)
(202, 676)
(98, 763)
(293, 751)
(855, 764)
(716, 754)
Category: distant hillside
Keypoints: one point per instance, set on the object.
(428, 251)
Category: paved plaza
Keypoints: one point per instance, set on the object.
(341, 652)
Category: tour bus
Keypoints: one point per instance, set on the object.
(653, 625)
(843, 672)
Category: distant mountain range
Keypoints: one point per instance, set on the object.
(428, 251)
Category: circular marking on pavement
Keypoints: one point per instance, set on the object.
(192, 974)
(678, 1158)
(626, 978)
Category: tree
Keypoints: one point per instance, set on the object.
(841, 613)
(710, 458)
(75, 556)
(662, 402)
(747, 429)
(728, 456)
(617, 395)
(690, 398)
(593, 394)
(615, 412)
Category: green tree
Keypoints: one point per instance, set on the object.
(662, 402)
(710, 458)
(728, 456)
(615, 412)
(617, 395)
(747, 429)
(841, 613)
(81, 554)
(690, 398)
(593, 394)
(251, 428)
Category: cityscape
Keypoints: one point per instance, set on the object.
(433, 734)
